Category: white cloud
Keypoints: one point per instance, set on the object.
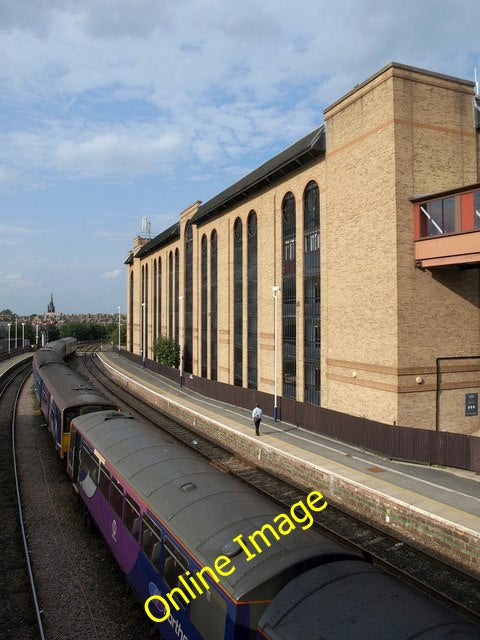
(116, 153)
(108, 275)
(13, 281)
(14, 235)
(131, 86)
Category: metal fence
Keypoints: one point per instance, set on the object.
(422, 446)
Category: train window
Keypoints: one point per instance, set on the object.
(116, 498)
(131, 517)
(89, 464)
(104, 482)
(151, 539)
(209, 614)
(53, 419)
(174, 564)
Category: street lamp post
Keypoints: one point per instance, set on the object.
(180, 304)
(143, 334)
(118, 329)
(275, 290)
(16, 332)
(9, 347)
(23, 336)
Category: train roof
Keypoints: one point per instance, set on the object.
(69, 388)
(350, 599)
(46, 356)
(203, 507)
(60, 344)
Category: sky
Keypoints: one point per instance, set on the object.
(115, 110)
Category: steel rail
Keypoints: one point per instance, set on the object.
(20, 514)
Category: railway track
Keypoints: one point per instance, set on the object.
(452, 587)
(21, 615)
(79, 590)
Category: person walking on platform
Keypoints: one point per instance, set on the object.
(257, 414)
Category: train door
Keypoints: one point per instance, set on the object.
(74, 455)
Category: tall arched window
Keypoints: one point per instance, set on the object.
(204, 304)
(146, 311)
(289, 297)
(311, 292)
(155, 301)
(237, 303)
(176, 293)
(130, 315)
(213, 306)
(142, 311)
(188, 346)
(170, 295)
(252, 366)
(159, 298)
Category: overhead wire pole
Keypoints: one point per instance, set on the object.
(143, 334)
(119, 329)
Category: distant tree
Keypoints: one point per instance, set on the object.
(167, 352)
(83, 331)
(53, 332)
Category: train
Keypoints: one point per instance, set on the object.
(211, 559)
(62, 393)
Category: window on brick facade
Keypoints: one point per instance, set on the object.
(289, 297)
(204, 304)
(252, 316)
(311, 292)
(238, 303)
(213, 306)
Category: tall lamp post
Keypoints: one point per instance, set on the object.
(180, 304)
(275, 290)
(23, 336)
(119, 329)
(9, 347)
(16, 332)
(143, 334)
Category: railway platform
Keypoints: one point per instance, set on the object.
(14, 361)
(435, 509)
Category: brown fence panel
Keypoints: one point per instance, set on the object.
(474, 454)
(453, 450)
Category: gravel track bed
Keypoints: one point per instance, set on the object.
(82, 592)
(18, 616)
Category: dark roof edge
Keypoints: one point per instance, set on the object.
(172, 233)
(287, 161)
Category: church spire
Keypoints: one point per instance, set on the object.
(51, 306)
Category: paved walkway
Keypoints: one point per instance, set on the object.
(450, 494)
(5, 365)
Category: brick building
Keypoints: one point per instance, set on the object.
(362, 239)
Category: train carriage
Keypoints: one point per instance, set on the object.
(65, 347)
(181, 530)
(64, 394)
